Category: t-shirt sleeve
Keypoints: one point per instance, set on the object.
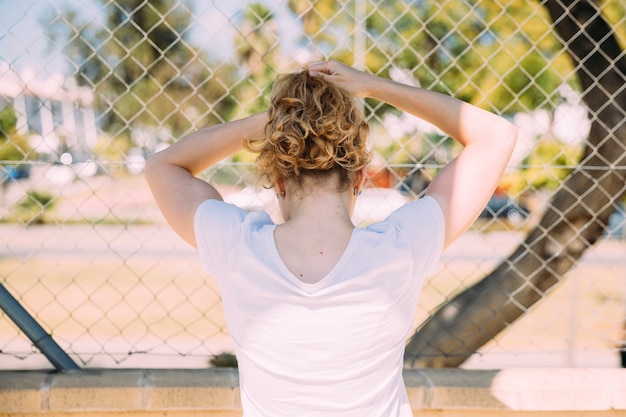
(422, 223)
(217, 229)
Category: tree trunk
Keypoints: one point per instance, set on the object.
(574, 219)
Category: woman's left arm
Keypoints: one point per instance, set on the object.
(171, 173)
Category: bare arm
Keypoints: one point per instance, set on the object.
(171, 173)
(463, 187)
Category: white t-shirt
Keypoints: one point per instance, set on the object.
(333, 348)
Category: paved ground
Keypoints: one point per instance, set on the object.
(132, 285)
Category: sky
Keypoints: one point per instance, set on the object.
(24, 47)
(21, 43)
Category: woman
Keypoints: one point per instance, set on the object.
(318, 309)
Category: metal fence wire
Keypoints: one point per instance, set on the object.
(89, 89)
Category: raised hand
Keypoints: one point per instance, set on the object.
(354, 82)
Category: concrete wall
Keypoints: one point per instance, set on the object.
(542, 392)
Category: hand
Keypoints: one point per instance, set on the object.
(349, 79)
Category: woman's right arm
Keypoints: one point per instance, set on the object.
(172, 173)
(465, 185)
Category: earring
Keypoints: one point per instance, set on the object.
(281, 195)
(356, 192)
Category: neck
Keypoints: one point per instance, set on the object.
(318, 208)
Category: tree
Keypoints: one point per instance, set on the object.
(145, 72)
(257, 48)
(14, 148)
(325, 28)
(465, 48)
(572, 222)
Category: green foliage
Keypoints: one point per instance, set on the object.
(323, 23)
(257, 50)
(34, 207)
(113, 148)
(13, 147)
(544, 168)
(615, 13)
(499, 56)
(521, 84)
(145, 73)
(550, 163)
(8, 121)
(224, 360)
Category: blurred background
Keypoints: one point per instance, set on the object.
(89, 89)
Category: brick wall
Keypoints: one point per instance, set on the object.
(545, 392)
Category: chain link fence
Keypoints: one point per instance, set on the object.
(89, 89)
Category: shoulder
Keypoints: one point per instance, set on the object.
(213, 208)
(223, 215)
(422, 223)
(415, 232)
(221, 227)
(418, 222)
(423, 211)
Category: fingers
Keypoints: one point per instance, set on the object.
(343, 76)
(323, 67)
(316, 64)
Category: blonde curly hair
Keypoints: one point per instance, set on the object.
(314, 129)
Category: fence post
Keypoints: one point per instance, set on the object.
(32, 329)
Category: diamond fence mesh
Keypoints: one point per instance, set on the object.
(89, 89)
